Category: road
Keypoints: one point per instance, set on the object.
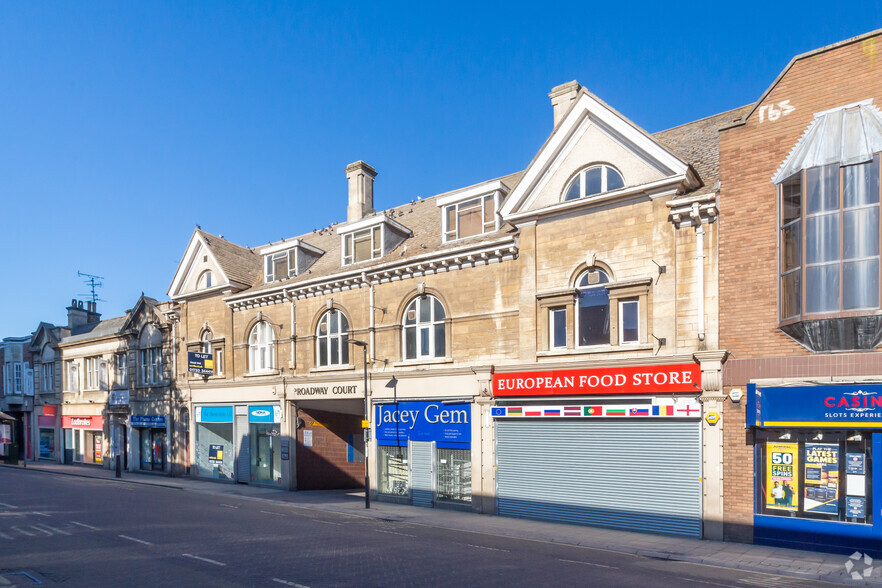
(74, 531)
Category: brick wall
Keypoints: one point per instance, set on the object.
(324, 466)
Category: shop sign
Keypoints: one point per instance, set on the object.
(214, 414)
(82, 422)
(858, 406)
(151, 422)
(200, 363)
(854, 463)
(856, 507)
(682, 409)
(331, 391)
(46, 421)
(264, 414)
(822, 478)
(215, 453)
(449, 425)
(656, 379)
(49, 410)
(782, 465)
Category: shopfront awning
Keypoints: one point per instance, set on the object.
(6, 417)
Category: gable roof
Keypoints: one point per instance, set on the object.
(110, 326)
(239, 266)
(143, 301)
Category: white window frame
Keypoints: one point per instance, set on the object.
(204, 280)
(261, 348)
(419, 327)
(487, 225)
(580, 177)
(578, 307)
(552, 312)
(18, 377)
(621, 317)
(92, 373)
(219, 361)
(150, 366)
(269, 258)
(48, 376)
(121, 367)
(376, 234)
(327, 339)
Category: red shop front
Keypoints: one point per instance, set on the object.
(83, 439)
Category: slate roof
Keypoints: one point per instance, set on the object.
(698, 144)
(240, 264)
(109, 326)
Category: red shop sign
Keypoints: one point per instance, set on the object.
(654, 379)
(82, 422)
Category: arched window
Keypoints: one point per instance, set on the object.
(330, 337)
(594, 180)
(206, 341)
(424, 328)
(592, 314)
(204, 280)
(261, 348)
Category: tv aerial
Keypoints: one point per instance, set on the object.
(93, 282)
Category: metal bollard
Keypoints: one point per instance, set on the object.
(118, 467)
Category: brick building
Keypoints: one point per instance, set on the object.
(800, 302)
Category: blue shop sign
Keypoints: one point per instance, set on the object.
(150, 422)
(264, 414)
(214, 414)
(448, 425)
(851, 406)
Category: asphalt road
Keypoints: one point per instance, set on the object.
(71, 531)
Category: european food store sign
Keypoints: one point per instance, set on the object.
(654, 379)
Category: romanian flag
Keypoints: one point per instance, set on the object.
(572, 411)
(615, 412)
(666, 410)
(639, 412)
(516, 411)
(551, 412)
(593, 410)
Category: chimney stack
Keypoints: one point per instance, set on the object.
(361, 190)
(77, 315)
(562, 97)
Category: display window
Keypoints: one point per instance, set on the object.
(153, 448)
(454, 471)
(266, 457)
(393, 472)
(815, 474)
(47, 443)
(214, 450)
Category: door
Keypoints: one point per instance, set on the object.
(422, 473)
(243, 460)
(642, 476)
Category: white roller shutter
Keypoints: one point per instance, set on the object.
(422, 472)
(642, 476)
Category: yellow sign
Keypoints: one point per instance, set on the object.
(365, 425)
(317, 424)
(782, 486)
(712, 418)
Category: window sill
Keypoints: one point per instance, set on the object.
(261, 374)
(332, 368)
(598, 349)
(423, 361)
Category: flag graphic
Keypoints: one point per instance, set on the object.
(572, 411)
(639, 412)
(615, 412)
(533, 413)
(498, 411)
(593, 410)
(551, 412)
(663, 410)
(516, 411)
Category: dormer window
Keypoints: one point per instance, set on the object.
(280, 266)
(594, 180)
(362, 245)
(471, 212)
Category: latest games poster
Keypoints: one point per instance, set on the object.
(781, 469)
(822, 477)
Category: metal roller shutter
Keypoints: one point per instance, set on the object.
(422, 472)
(243, 460)
(641, 476)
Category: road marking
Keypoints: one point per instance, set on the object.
(135, 540)
(205, 559)
(40, 514)
(84, 525)
(278, 514)
(229, 505)
(327, 522)
(287, 583)
(490, 548)
(5, 536)
(41, 530)
(3, 504)
(585, 563)
(59, 531)
(779, 581)
(393, 533)
(706, 582)
(22, 531)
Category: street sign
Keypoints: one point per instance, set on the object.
(200, 363)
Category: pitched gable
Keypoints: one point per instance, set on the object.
(232, 266)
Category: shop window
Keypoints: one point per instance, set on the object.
(214, 450)
(470, 218)
(261, 348)
(331, 334)
(265, 451)
(592, 312)
(47, 443)
(594, 180)
(823, 475)
(454, 474)
(425, 334)
(393, 470)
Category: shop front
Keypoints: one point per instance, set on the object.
(424, 452)
(262, 446)
(215, 453)
(614, 447)
(46, 425)
(83, 439)
(152, 441)
(816, 487)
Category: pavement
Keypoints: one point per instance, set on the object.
(757, 558)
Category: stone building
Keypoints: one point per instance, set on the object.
(531, 341)
(800, 312)
(17, 399)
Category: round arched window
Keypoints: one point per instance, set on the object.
(330, 337)
(204, 280)
(594, 180)
(592, 314)
(424, 329)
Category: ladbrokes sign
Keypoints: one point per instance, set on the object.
(656, 379)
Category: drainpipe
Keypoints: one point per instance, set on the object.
(699, 246)
(290, 298)
(372, 321)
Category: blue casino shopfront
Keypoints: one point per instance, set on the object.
(424, 452)
(816, 487)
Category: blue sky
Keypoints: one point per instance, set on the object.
(126, 124)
